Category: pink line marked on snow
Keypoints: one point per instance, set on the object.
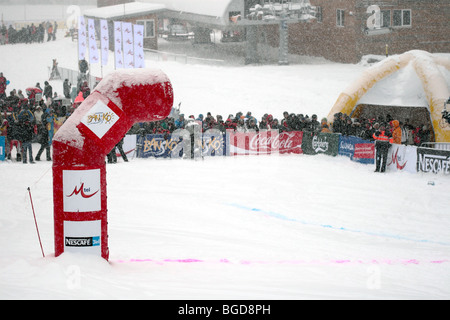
(291, 262)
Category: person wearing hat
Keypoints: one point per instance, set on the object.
(315, 124)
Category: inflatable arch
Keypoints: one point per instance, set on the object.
(80, 146)
(433, 70)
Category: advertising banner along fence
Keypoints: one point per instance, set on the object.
(213, 143)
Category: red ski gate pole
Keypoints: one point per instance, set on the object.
(35, 222)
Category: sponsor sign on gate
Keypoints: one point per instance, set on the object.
(81, 190)
(82, 236)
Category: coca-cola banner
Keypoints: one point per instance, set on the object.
(433, 160)
(318, 143)
(291, 142)
(357, 149)
(264, 142)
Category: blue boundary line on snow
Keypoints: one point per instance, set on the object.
(327, 226)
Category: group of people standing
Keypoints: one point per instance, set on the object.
(385, 131)
(25, 120)
(26, 125)
(28, 34)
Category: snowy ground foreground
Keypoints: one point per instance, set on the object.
(256, 227)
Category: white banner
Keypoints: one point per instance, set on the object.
(118, 54)
(81, 189)
(402, 158)
(93, 50)
(104, 41)
(139, 61)
(82, 43)
(128, 55)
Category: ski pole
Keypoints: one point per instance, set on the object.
(35, 221)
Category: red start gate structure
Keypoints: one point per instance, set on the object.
(80, 146)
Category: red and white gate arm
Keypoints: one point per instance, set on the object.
(80, 146)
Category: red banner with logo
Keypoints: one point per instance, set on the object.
(264, 142)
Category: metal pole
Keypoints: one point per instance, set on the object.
(35, 221)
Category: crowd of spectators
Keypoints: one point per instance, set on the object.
(26, 117)
(342, 124)
(30, 117)
(29, 33)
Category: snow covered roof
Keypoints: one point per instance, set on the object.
(124, 10)
(402, 88)
(204, 11)
(213, 8)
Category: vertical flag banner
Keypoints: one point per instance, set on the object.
(128, 55)
(139, 61)
(82, 38)
(104, 41)
(93, 50)
(118, 54)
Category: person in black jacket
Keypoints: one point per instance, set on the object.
(338, 123)
(382, 137)
(43, 139)
(25, 135)
(48, 91)
(12, 137)
(67, 88)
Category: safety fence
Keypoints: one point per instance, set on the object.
(179, 57)
(73, 76)
(182, 144)
(214, 143)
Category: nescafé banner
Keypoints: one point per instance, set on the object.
(320, 143)
(433, 160)
(357, 149)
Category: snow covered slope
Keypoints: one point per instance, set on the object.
(256, 227)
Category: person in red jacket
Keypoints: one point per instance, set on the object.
(382, 145)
